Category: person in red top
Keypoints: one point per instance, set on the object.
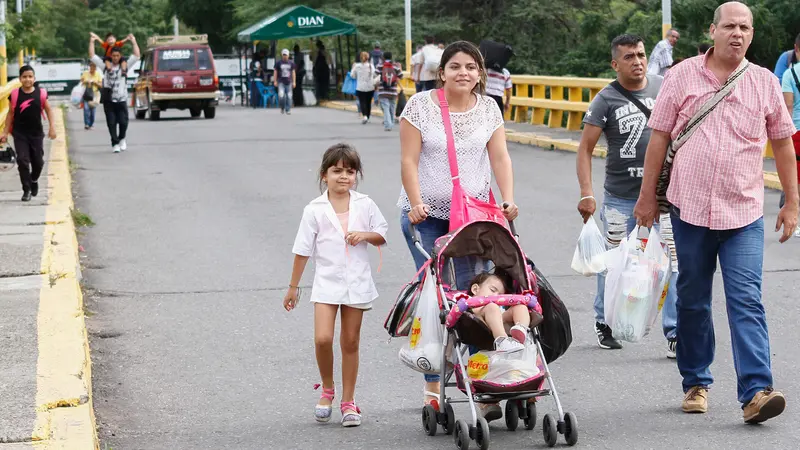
(716, 191)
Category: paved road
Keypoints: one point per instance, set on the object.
(188, 263)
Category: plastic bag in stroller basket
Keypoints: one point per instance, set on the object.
(423, 352)
(504, 372)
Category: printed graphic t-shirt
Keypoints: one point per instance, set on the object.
(28, 114)
(627, 134)
(285, 69)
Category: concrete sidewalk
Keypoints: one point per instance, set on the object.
(45, 370)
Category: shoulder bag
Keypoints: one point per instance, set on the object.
(463, 208)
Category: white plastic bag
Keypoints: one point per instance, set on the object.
(503, 368)
(76, 97)
(423, 352)
(638, 271)
(588, 258)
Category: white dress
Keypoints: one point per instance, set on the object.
(342, 273)
(471, 131)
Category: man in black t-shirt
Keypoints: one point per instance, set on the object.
(24, 123)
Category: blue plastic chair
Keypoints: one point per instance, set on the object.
(268, 94)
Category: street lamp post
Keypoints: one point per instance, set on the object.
(3, 55)
(21, 54)
(666, 17)
(408, 35)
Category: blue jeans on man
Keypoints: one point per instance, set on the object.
(285, 96)
(741, 259)
(617, 219)
(388, 105)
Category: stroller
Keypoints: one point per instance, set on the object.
(488, 241)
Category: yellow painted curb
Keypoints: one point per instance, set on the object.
(64, 411)
(547, 142)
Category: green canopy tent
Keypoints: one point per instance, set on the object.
(300, 22)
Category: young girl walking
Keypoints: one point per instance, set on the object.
(336, 228)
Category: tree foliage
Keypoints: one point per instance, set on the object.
(565, 37)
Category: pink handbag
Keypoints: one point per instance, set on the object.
(463, 208)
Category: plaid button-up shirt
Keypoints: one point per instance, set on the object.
(717, 175)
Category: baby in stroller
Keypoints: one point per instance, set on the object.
(497, 318)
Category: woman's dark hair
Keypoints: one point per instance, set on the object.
(793, 57)
(483, 276)
(26, 68)
(469, 49)
(339, 152)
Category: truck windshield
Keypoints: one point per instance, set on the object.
(177, 60)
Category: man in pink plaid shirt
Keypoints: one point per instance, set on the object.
(717, 197)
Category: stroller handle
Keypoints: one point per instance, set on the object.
(511, 225)
(417, 240)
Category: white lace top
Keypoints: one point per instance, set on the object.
(472, 130)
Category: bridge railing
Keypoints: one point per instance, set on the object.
(5, 92)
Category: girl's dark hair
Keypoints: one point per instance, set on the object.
(467, 48)
(483, 276)
(339, 152)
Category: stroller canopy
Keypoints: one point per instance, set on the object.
(487, 240)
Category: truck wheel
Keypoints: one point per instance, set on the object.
(154, 115)
(210, 112)
(195, 112)
(141, 114)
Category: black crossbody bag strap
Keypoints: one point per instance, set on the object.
(629, 95)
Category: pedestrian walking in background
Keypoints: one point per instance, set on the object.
(431, 56)
(661, 58)
(24, 123)
(499, 87)
(92, 81)
(416, 69)
(285, 81)
(321, 70)
(620, 112)
(389, 75)
(790, 85)
(364, 73)
(730, 108)
(114, 94)
(337, 228)
(300, 70)
(786, 60)
(480, 141)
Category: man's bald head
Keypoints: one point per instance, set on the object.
(730, 7)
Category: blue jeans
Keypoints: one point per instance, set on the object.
(419, 86)
(741, 258)
(388, 105)
(285, 96)
(255, 95)
(617, 219)
(430, 230)
(88, 114)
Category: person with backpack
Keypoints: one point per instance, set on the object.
(389, 75)
(24, 123)
(114, 94)
(620, 111)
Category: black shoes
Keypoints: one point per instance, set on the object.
(604, 338)
(35, 188)
(26, 196)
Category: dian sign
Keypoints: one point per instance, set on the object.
(311, 22)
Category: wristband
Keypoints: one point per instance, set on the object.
(296, 287)
(587, 197)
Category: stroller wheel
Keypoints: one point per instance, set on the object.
(450, 425)
(429, 420)
(530, 419)
(512, 415)
(570, 429)
(549, 430)
(482, 434)
(461, 435)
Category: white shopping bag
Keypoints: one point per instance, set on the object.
(638, 271)
(588, 258)
(76, 97)
(423, 352)
(503, 368)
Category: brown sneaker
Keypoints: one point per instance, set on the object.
(696, 400)
(764, 405)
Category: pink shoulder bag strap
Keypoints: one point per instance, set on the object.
(463, 208)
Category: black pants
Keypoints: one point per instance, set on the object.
(30, 159)
(428, 85)
(116, 114)
(322, 85)
(499, 101)
(365, 100)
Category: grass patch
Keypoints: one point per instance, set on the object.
(80, 219)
